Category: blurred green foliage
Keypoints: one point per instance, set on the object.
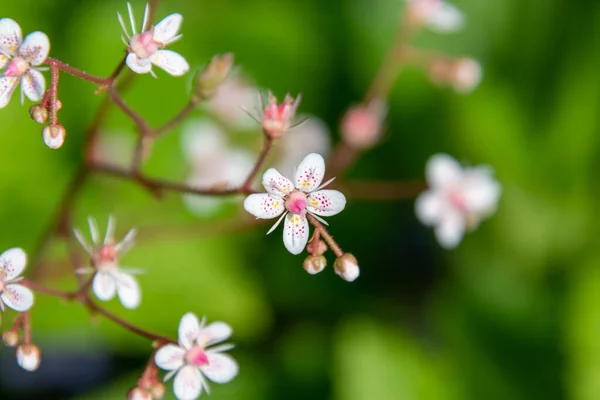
(511, 314)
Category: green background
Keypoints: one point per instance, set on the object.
(511, 314)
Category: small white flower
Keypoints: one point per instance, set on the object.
(147, 47)
(110, 278)
(458, 198)
(293, 200)
(21, 57)
(194, 359)
(437, 15)
(14, 295)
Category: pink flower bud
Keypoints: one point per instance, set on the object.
(215, 73)
(361, 125)
(314, 264)
(39, 114)
(278, 118)
(158, 391)
(138, 393)
(28, 357)
(463, 74)
(347, 267)
(10, 338)
(54, 135)
(321, 247)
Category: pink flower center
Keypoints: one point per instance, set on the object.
(144, 45)
(196, 356)
(458, 200)
(106, 257)
(296, 203)
(17, 67)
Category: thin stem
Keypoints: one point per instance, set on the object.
(52, 62)
(139, 121)
(53, 93)
(246, 186)
(328, 238)
(177, 119)
(26, 327)
(47, 290)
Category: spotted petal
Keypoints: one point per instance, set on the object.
(276, 184)
(17, 297)
(214, 333)
(33, 85)
(189, 327)
(326, 202)
(3, 60)
(12, 263)
(35, 48)
(8, 84)
(221, 368)
(104, 286)
(310, 173)
(443, 171)
(188, 383)
(264, 206)
(169, 357)
(170, 61)
(295, 233)
(138, 65)
(10, 36)
(128, 290)
(167, 29)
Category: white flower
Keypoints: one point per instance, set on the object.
(21, 57)
(437, 15)
(230, 100)
(146, 48)
(14, 295)
(29, 357)
(214, 164)
(294, 200)
(194, 359)
(458, 198)
(110, 279)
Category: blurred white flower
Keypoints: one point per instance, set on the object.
(194, 359)
(230, 100)
(114, 148)
(214, 165)
(458, 198)
(462, 74)
(12, 294)
(21, 57)
(146, 48)
(110, 278)
(29, 357)
(437, 15)
(293, 200)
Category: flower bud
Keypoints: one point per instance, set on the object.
(28, 357)
(158, 391)
(347, 267)
(361, 125)
(321, 247)
(10, 338)
(138, 393)
(463, 74)
(314, 264)
(213, 75)
(39, 114)
(54, 135)
(278, 118)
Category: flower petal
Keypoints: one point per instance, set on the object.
(170, 61)
(3, 60)
(8, 84)
(35, 48)
(276, 184)
(104, 286)
(128, 290)
(481, 191)
(450, 230)
(17, 297)
(189, 327)
(167, 29)
(446, 19)
(443, 170)
(221, 368)
(10, 36)
(310, 172)
(12, 263)
(295, 233)
(214, 333)
(169, 357)
(264, 206)
(429, 207)
(326, 202)
(188, 383)
(33, 85)
(138, 65)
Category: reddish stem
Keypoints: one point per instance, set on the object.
(54, 63)
(328, 238)
(246, 186)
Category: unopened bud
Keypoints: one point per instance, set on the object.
(463, 74)
(58, 104)
(278, 118)
(158, 391)
(347, 267)
(28, 357)
(39, 114)
(54, 135)
(314, 264)
(361, 125)
(215, 73)
(138, 393)
(10, 338)
(321, 247)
